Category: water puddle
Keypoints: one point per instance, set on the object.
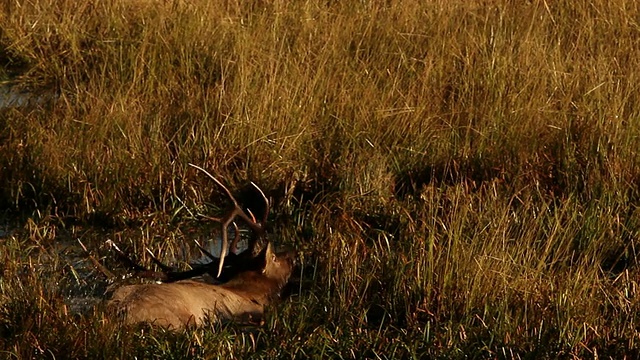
(12, 97)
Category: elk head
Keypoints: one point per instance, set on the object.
(251, 280)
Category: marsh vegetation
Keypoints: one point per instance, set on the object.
(459, 177)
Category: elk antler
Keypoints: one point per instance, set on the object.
(166, 275)
(257, 227)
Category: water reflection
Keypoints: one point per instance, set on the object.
(12, 97)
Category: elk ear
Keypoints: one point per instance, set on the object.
(268, 257)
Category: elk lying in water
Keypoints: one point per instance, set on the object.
(254, 279)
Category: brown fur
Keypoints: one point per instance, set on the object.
(189, 302)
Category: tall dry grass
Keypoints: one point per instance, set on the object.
(461, 177)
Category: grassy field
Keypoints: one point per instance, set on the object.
(460, 178)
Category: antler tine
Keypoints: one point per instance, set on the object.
(236, 239)
(266, 202)
(205, 252)
(162, 266)
(253, 218)
(217, 182)
(225, 241)
(125, 258)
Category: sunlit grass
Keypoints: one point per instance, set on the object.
(458, 178)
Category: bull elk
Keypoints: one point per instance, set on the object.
(252, 280)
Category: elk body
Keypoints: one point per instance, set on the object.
(253, 280)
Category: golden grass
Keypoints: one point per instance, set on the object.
(460, 176)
